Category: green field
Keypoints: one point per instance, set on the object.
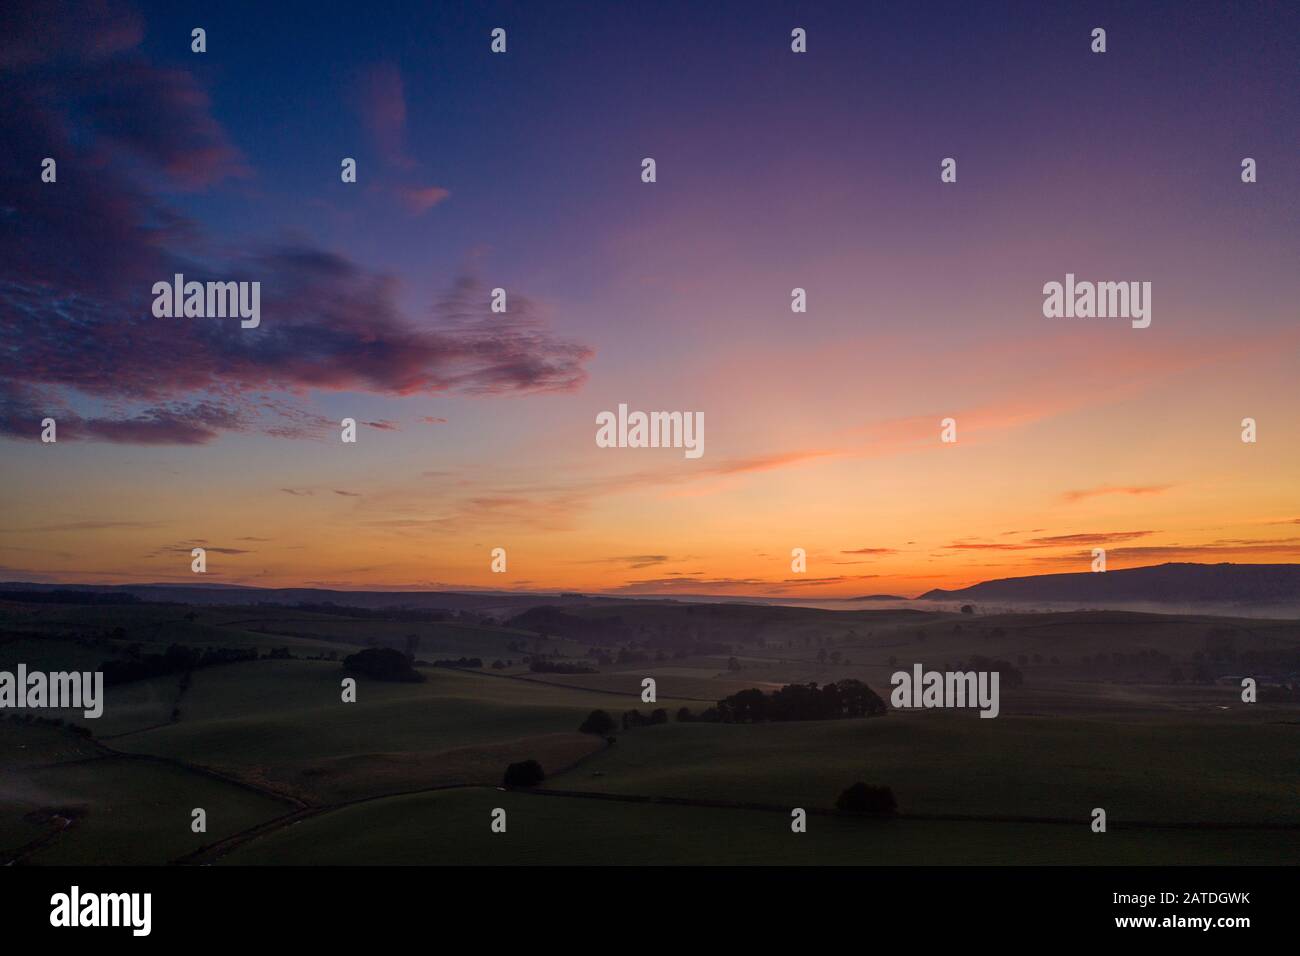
(123, 810)
(453, 827)
(1240, 770)
(291, 729)
(1186, 771)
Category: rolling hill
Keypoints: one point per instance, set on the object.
(1165, 583)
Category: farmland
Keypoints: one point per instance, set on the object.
(1116, 710)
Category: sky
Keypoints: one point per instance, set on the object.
(522, 170)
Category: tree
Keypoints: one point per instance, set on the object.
(859, 700)
(597, 722)
(862, 798)
(527, 773)
(846, 698)
(968, 609)
(382, 663)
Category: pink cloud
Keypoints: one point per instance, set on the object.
(420, 199)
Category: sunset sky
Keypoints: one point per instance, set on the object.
(775, 170)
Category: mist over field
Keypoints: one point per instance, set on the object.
(236, 708)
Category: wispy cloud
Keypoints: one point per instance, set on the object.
(1084, 493)
(1092, 539)
(420, 199)
(185, 547)
(633, 561)
(78, 526)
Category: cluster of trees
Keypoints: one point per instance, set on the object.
(845, 698)
(178, 658)
(560, 667)
(460, 662)
(597, 722)
(526, 773)
(382, 663)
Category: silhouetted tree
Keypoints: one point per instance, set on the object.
(597, 722)
(382, 663)
(847, 698)
(527, 773)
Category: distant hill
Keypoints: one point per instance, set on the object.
(1164, 584)
(877, 597)
(228, 594)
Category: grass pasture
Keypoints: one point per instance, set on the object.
(1187, 772)
(451, 827)
(1237, 769)
(283, 723)
(123, 810)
